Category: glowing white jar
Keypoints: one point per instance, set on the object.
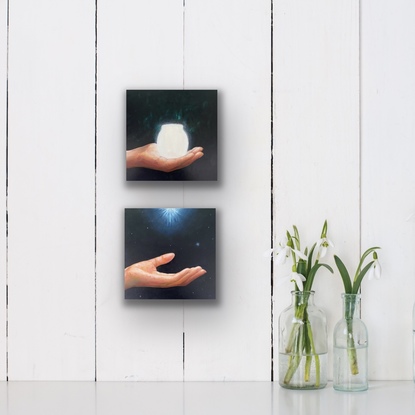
(172, 141)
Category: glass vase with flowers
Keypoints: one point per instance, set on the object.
(350, 336)
(302, 326)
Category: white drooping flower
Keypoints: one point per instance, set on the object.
(294, 277)
(322, 246)
(285, 251)
(375, 271)
(298, 279)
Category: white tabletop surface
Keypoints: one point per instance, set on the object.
(200, 398)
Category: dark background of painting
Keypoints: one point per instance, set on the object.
(192, 238)
(147, 110)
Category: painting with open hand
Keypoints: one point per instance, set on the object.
(170, 253)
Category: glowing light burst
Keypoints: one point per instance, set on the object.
(171, 216)
(170, 220)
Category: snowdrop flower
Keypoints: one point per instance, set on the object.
(298, 279)
(322, 246)
(323, 243)
(375, 270)
(285, 251)
(305, 263)
(294, 277)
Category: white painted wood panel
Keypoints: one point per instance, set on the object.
(3, 253)
(51, 191)
(140, 46)
(228, 47)
(316, 138)
(320, 161)
(388, 181)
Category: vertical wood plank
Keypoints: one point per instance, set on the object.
(316, 138)
(388, 181)
(51, 190)
(228, 47)
(3, 132)
(140, 46)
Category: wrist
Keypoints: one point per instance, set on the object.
(128, 282)
(133, 158)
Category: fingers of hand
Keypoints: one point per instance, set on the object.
(190, 158)
(169, 165)
(196, 150)
(187, 275)
(163, 259)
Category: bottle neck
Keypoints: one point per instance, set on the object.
(302, 297)
(351, 306)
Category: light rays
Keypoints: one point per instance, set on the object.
(171, 216)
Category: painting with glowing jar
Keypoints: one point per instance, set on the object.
(170, 253)
(171, 135)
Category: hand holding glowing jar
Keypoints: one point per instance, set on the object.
(169, 153)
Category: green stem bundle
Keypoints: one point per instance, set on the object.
(301, 344)
(351, 349)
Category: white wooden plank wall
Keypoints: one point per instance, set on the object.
(316, 137)
(3, 250)
(388, 180)
(235, 58)
(51, 196)
(126, 44)
(65, 189)
(140, 46)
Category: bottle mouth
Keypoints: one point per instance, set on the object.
(349, 295)
(302, 292)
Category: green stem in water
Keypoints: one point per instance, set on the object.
(351, 349)
(296, 352)
(293, 366)
(307, 348)
(299, 317)
(316, 356)
(301, 342)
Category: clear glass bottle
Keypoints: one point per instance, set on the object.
(302, 344)
(350, 343)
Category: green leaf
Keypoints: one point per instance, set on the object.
(301, 267)
(358, 280)
(368, 251)
(312, 274)
(296, 238)
(324, 230)
(289, 240)
(365, 254)
(310, 259)
(347, 282)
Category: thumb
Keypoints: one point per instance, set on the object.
(163, 259)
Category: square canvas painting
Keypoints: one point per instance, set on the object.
(171, 135)
(170, 253)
